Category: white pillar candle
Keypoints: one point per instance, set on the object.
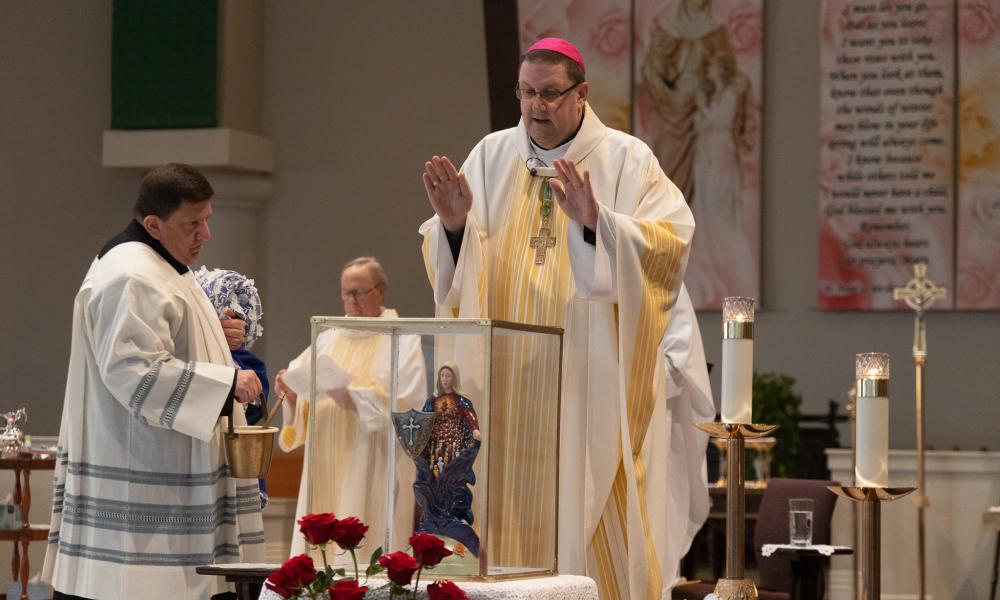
(737, 380)
(737, 359)
(871, 468)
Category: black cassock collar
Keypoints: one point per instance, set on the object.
(135, 232)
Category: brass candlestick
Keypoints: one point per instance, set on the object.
(919, 293)
(871, 499)
(851, 407)
(735, 586)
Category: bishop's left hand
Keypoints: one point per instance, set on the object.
(575, 194)
(233, 328)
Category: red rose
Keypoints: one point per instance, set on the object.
(319, 528)
(445, 590)
(349, 533)
(428, 549)
(399, 567)
(296, 573)
(347, 589)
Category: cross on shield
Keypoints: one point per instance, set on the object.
(413, 430)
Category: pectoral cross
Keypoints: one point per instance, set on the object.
(544, 240)
(541, 243)
(410, 427)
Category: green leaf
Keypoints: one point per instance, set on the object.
(322, 580)
(377, 554)
(775, 402)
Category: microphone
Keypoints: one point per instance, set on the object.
(532, 164)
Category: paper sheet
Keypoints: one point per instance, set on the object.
(329, 376)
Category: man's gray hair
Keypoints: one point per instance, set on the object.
(374, 267)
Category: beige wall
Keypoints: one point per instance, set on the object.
(57, 205)
(356, 97)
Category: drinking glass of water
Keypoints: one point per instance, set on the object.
(800, 521)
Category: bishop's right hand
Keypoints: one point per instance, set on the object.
(448, 191)
(247, 386)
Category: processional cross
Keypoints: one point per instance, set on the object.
(919, 294)
(410, 427)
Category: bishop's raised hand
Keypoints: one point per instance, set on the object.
(448, 191)
(574, 193)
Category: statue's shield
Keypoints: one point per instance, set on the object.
(413, 430)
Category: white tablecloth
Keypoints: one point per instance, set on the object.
(560, 587)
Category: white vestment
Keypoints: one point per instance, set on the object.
(142, 488)
(613, 298)
(683, 504)
(349, 478)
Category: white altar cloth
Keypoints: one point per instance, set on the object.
(559, 587)
(960, 486)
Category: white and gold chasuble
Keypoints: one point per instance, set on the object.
(142, 490)
(613, 301)
(349, 477)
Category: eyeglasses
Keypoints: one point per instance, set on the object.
(547, 96)
(355, 294)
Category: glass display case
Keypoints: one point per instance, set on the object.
(455, 433)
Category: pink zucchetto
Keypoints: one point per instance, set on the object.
(562, 47)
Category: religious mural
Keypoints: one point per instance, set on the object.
(698, 105)
(890, 196)
(886, 178)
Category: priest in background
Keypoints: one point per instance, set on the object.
(606, 265)
(352, 422)
(142, 490)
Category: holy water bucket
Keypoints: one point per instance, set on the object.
(248, 449)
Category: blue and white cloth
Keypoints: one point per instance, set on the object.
(229, 289)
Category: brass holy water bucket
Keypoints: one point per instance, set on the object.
(248, 449)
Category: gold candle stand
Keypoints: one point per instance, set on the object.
(871, 499)
(735, 586)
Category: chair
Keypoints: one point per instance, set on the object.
(776, 580)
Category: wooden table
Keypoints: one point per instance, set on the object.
(22, 465)
(248, 579)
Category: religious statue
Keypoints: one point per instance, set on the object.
(443, 440)
(12, 438)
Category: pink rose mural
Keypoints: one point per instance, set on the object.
(976, 22)
(978, 245)
(746, 29)
(612, 36)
